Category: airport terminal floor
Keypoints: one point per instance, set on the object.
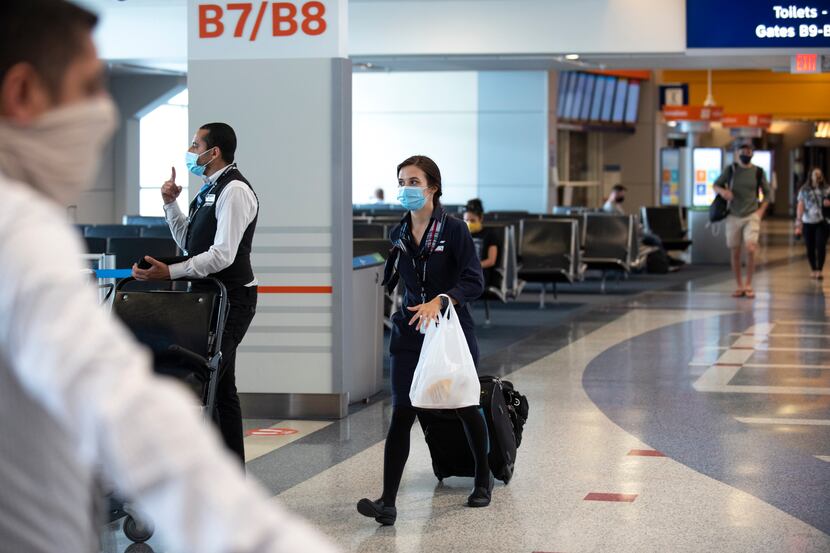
(664, 416)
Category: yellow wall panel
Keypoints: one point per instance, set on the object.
(783, 95)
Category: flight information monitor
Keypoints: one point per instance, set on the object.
(585, 112)
(632, 102)
(564, 81)
(619, 101)
(608, 100)
(596, 101)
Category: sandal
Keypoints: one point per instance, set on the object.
(749, 293)
(738, 293)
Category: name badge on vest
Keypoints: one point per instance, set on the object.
(210, 199)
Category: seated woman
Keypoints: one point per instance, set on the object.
(484, 238)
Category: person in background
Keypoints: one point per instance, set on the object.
(739, 184)
(378, 198)
(810, 221)
(615, 200)
(79, 403)
(484, 238)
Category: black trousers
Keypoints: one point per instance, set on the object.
(228, 411)
(815, 238)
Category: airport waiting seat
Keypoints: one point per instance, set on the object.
(131, 250)
(95, 245)
(579, 218)
(112, 231)
(508, 216)
(368, 246)
(143, 220)
(668, 224)
(368, 230)
(156, 231)
(608, 240)
(496, 279)
(549, 253)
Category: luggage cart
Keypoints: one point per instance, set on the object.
(182, 322)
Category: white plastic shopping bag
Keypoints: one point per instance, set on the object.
(445, 377)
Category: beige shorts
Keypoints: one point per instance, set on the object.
(742, 230)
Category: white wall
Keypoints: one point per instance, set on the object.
(516, 27)
(397, 115)
(158, 28)
(487, 131)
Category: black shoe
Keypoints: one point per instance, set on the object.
(378, 511)
(481, 496)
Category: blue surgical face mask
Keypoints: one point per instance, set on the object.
(191, 160)
(411, 197)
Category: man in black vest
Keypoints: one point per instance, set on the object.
(216, 236)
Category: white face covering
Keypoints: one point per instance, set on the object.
(59, 153)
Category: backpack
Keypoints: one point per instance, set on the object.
(517, 408)
(719, 209)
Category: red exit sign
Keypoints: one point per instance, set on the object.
(805, 63)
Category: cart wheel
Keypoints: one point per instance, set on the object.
(136, 531)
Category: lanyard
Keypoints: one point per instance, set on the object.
(428, 243)
(208, 191)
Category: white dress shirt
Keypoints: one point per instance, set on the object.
(78, 398)
(236, 208)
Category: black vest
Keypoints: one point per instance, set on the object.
(201, 233)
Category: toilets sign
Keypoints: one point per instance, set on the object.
(758, 24)
(267, 29)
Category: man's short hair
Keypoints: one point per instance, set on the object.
(618, 188)
(221, 135)
(48, 34)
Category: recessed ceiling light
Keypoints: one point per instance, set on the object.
(572, 57)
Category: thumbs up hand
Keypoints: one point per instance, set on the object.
(169, 190)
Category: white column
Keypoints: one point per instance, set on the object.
(276, 72)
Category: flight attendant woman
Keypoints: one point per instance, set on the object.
(433, 254)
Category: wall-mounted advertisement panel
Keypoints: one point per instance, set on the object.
(757, 24)
(707, 164)
(669, 176)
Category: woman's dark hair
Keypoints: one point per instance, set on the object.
(221, 135)
(430, 169)
(475, 207)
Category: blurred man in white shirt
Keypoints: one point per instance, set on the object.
(78, 400)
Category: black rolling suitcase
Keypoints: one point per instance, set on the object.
(505, 411)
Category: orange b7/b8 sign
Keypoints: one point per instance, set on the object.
(266, 29)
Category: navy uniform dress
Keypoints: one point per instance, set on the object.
(445, 262)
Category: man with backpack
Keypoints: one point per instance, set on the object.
(739, 185)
